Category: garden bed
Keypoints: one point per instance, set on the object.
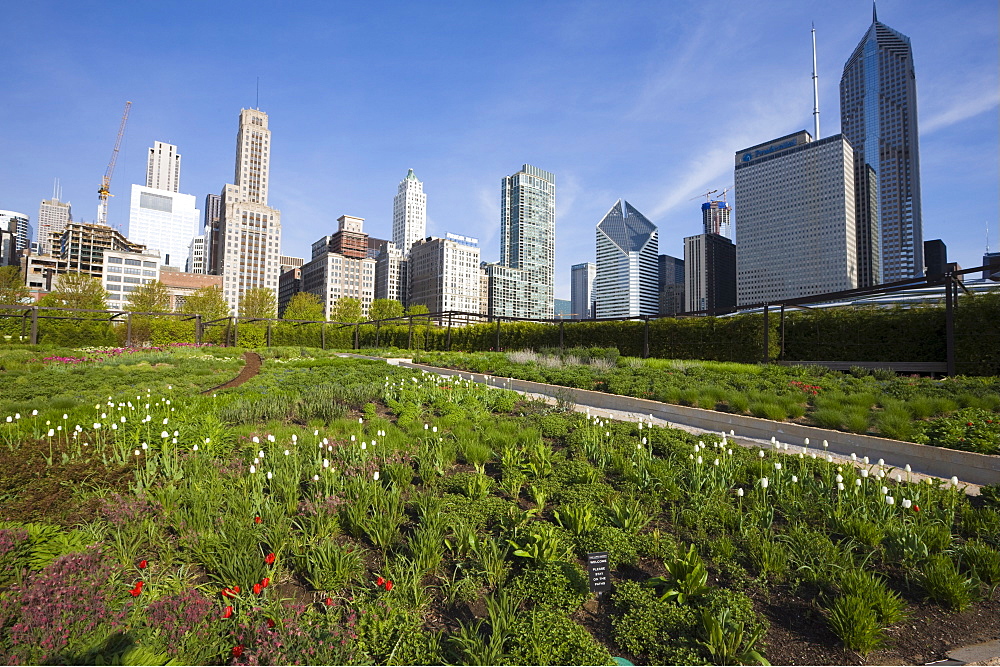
(340, 511)
(957, 413)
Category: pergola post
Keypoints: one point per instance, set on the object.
(767, 338)
(269, 333)
(448, 343)
(409, 335)
(645, 337)
(949, 321)
(322, 335)
(128, 329)
(34, 325)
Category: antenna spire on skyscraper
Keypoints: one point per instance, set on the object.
(815, 87)
(874, 12)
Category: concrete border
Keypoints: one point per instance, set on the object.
(969, 467)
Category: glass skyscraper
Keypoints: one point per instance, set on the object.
(627, 272)
(522, 284)
(878, 105)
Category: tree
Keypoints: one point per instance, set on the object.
(150, 298)
(207, 302)
(347, 309)
(417, 309)
(258, 303)
(12, 288)
(383, 309)
(304, 306)
(76, 290)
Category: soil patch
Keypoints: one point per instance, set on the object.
(250, 368)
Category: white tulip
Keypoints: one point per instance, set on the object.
(763, 482)
(840, 487)
(375, 475)
(739, 492)
(253, 469)
(269, 475)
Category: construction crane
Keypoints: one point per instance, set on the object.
(724, 191)
(707, 195)
(105, 190)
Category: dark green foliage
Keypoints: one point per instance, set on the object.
(970, 429)
(549, 637)
(944, 583)
(646, 625)
(558, 585)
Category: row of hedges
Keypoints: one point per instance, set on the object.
(833, 334)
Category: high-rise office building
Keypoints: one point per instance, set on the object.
(444, 274)
(627, 248)
(878, 107)
(795, 231)
(715, 218)
(709, 273)
(164, 220)
(16, 229)
(409, 213)
(391, 280)
(935, 258)
(210, 228)
(53, 216)
(582, 290)
(340, 266)
(671, 285)
(522, 283)
(163, 167)
(991, 260)
(196, 255)
(248, 248)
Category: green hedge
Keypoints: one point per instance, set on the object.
(831, 334)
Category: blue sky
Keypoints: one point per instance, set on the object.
(647, 101)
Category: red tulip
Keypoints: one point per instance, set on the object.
(257, 519)
(228, 593)
(227, 612)
(328, 602)
(143, 564)
(256, 589)
(236, 589)
(138, 589)
(238, 650)
(265, 582)
(388, 585)
(270, 623)
(380, 581)
(269, 559)
(916, 508)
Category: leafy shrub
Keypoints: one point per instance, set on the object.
(854, 620)
(981, 561)
(661, 631)
(557, 585)
(969, 429)
(946, 585)
(686, 578)
(549, 637)
(727, 642)
(887, 604)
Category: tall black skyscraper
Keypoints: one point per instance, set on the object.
(878, 107)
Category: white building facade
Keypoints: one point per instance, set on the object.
(125, 272)
(444, 274)
(409, 213)
(165, 221)
(197, 253)
(53, 217)
(391, 275)
(163, 167)
(795, 218)
(627, 275)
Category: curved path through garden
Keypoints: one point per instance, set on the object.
(250, 368)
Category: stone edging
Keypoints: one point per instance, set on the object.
(969, 467)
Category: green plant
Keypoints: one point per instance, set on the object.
(627, 514)
(577, 519)
(854, 620)
(981, 561)
(887, 604)
(542, 544)
(727, 641)
(945, 584)
(648, 626)
(686, 578)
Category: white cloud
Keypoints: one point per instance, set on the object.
(965, 107)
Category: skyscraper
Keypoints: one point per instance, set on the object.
(210, 228)
(627, 274)
(715, 218)
(19, 226)
(53, 216)
(340, 266)
(409, 213)
(671, 284)
(522, 283)
(709, 273)
(795, 231)
(582, 290)
(248, 248)
(163, 167)
(444, 274)
(164, 221)
(878, 106)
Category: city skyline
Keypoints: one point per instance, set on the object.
(460, 118)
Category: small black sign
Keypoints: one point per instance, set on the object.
(597, 568)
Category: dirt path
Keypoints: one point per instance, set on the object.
(250, 368)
